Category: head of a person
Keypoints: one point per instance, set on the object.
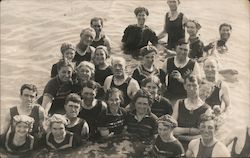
(142, 102)
(68, 51)
(205, 88)
(225, 31)
(182, 49)
(28, 94)
(152, 84)
(65, 70)
(148, 54)
(22, 124)
(87, 36)
(207, 126)
(85, 71)
(210, 68)
(88, 93)
(193, 27)
(118, 66)
(141, 14)
(57, 124)
(166, 125)
(72, 105)
(97, 24)
(100, 55)
(173, 4)
(191, 85)
(114, 98)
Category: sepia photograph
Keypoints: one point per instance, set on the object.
(124, 78)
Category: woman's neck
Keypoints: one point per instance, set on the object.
(82, 46)
(209, 142)
(19, 140)
(102, 66)
(141, 25)
(192, 36)
(169, 138)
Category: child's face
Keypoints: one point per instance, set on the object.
(22, 129)
(164, 131)
(191, 28)
(58, 130)
(69, 54)
(149, 58)
(114, 101)
(100, 57)
(152, 88)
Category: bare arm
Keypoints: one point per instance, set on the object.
(189, 152)
(107, 43)
(6, 124)
(162, 34)
(46, 104)
(85, 131)
(133, 87)
(225, 96)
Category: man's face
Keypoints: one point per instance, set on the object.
(58, 130)
(97, 26)
(72, 109)
(65, 73)
(173, 4)
(182, 51)
(207, 129)
(164, 131)
(118, 68)
(28, 97)
(141, 18)
(88, 95)
(192, 88)
(87, 38)
(225, 32)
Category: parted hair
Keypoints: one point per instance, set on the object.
(141, 9)
(29, 87)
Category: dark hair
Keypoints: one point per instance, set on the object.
(74, 98)
(154, 79)
(181, 42)
(96, 19)
(101, 47)
(148, 49)
(112, 91)
(191, 78)
(90, 84)
(225, 24)
(64, 63)
(66, 46)
(142, 93)
(29, 87)
(141, 9)
(179, 2)
(197, 24)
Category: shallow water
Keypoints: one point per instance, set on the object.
(33, 30)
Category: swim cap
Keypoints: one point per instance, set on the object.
(168, 120)
(23, 118)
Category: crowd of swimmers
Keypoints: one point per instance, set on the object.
(177, 107)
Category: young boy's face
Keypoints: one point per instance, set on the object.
(58, 130)
(22, 129)
(164, 131)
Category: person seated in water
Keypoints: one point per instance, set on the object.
(187, 112)
(112, 120)
(58, 88)
(166, 145)
(57, 137)
(28, 96)
(207, 145)
(100, 39)
(177, 68)
(84, 51)
(68, 52)
(138, 35)
(195, 44)
(19, 140)
(241, 141)
(147, 67)
(161, 105)
(141, 122)
(102, 68)
(121, 80)
(219, 91)
(174, 25)
(91, 108)
(220, 46)
(76, 125)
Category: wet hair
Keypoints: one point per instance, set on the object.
(25, 119)
(104, 48)
(64, 63)
(87, 64)
(148, 49)
(141, 9)
(225, 24)
(96, 19)
(168, 120)
(29, 87)
(90, 30)
(90, 84)
(197, 24)
(191, 78)
(116, 58)
(142, 93)
(73, 97)
(181, 42)
(57, 118)
(66, 46)
(112, 91)
(213, 59)
(154, 79)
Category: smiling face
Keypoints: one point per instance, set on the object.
(87, 38)
(72, 109)
(149, 59)
(164, 131)
(210, 68)
(225, 32)
(191, 28)
(58, 130)
(142, 106)
(65, 73)
(182, 52)
(97, 26)
(207, 129)
(114, 101)
(141, 18)
(69, 54)
(22, 129)
(88, 95)
(100, 57)
(28, 97)
(173, 4)
(152, 88)
(84, 73)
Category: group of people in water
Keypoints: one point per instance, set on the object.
(175, 107)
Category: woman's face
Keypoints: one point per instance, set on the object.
(210, 68)
(100, 57)
(65, 73)
(88, 95)
(225, 33)
(152, 88)
(207, 130)
(164, 131)
(149, 58)
(114, 101)
(84, 73)
(191, 28)
(173, 4)
(141, 18)
(142, 106)
(87, 38)
(69, 54)
(22, 129)
(58, 130)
